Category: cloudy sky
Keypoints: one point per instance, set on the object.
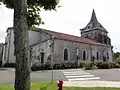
(72, 16)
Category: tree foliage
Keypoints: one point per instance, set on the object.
(116, 55)
(33, 9)
(0, 2)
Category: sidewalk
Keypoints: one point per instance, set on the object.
(91, 84)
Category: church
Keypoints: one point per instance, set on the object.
(48, 46)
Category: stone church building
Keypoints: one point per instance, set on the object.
(93, 45)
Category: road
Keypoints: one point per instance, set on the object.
(7, 76)
(106, 74)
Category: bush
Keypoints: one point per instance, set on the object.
(56, 66)
(104, 65)
(115, 65)
(89, 65)
(74, 65)
(118, 60)
(47, 66)
(86, 65)
(68, 65)
(81, 65)
(13, 65)
(100, 65)
(36, 67)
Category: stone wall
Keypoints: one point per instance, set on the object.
(97, 35)
(72, 47)
(37, 49)
(34, 37)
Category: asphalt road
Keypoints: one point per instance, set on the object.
(106, 74)
(7, 76)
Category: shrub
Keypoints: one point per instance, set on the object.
(13, 65)
(74, 65)
(63, 66)
(35, 67)
(115, 65)
(86, 65)
(100, 65)
(81, 65)
(94, 67)
(47, 66)
(56, 66)
(67, 65)
(118, 60)
(103, 65)
(89, 65)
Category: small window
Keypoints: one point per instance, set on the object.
(100, 25)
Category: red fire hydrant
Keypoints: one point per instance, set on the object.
(60, 85)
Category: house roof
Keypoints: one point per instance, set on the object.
(73, 38)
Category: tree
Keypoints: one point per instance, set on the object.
(26, 15)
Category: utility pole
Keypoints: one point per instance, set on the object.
(52, 60)
(77, 57)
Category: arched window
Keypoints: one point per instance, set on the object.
(97, 55)
(84, 55)
(65, 54)
(42, 57)
(104, 58)
(107, 56)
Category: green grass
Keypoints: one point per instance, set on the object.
(53, 86)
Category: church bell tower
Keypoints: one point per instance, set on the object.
(95, 31)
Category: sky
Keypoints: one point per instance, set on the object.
(72, 16)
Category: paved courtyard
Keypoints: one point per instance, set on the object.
(7, 75)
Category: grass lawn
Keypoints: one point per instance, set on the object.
(53, 86)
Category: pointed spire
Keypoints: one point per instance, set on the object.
(93, 17)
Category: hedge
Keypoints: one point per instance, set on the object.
(101, 65)
(9, 65)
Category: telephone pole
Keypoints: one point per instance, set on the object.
(52, 60)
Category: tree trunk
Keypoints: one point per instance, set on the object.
(22, 73)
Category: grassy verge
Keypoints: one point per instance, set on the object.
(53, 86)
